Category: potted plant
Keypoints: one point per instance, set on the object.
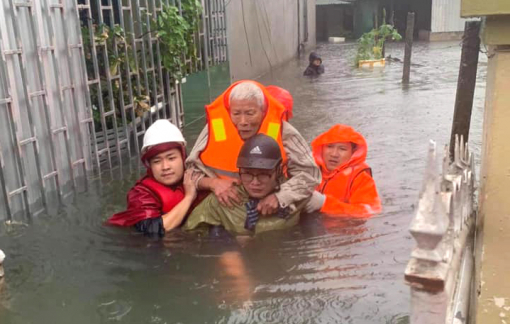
(371, 45)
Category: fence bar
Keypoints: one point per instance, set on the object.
(96, 76)
(143, 35)
(134, 41)
(5, 194)
(128, 74)
(17, 191)
(30, 108)
(5, 101)
(63, 119)
(106, 60)
(47, 102)
(205, 41)
(88, 120)
(161, 84)
(15, 132)
(120, 85)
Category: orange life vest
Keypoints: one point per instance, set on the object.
(224, 142)
(340, 185)
(169, 198)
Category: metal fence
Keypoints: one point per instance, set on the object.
(80, 81)
(43, 133)
(440, 271)
(215, 27)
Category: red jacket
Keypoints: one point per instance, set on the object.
(349, 189)
(148, 199)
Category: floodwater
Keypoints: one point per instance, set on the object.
(69, 268)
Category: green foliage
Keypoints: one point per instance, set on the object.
(371, 44)
(176, 35)
(191, 11)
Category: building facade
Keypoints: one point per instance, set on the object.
(263, 34)
(434, 19)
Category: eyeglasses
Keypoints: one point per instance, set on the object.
(261, 177)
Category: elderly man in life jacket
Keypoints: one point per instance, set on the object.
(245, 109)
(160, 200)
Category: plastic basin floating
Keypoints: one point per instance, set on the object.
(371, 63)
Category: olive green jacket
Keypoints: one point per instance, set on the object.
(211, 212)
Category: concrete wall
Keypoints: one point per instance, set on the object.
(263, 34)
(493, 255)
(478, 8)
(446, 16)
(364, 12)
(494, 212)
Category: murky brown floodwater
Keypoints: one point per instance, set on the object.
(69, 268)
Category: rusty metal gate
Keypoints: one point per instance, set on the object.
(73, 103)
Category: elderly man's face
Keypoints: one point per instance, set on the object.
(246, 116)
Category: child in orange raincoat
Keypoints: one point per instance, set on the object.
(347, 188)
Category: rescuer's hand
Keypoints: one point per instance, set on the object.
(316, 202)
(226, 192)
(189, 184)
(268, 205)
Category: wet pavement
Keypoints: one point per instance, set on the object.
(69, 268)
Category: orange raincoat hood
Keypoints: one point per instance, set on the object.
(349, 190)
(339, 133)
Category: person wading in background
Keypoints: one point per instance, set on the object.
(315, 67)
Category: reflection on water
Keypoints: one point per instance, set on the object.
(69, 268)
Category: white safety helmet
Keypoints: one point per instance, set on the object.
(162, 131)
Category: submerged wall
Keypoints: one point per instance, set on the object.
(263, 34)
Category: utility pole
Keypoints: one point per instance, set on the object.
(408, 48)
(466, 83)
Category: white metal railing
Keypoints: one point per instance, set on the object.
(440, 271)
(43, 116)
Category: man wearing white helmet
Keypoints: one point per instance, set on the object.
(161, 199)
